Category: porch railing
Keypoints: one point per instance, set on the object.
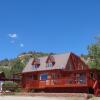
(63, 82)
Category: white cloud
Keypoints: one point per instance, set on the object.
(14, 35)
(21, 45)
(15, 40)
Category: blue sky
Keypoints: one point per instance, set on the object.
(47, 26)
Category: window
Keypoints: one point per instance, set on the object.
(49, 64)
(55, 76)
(43, 77)
(35, 66)
(35, 63)
(30, 77)
(81, 78)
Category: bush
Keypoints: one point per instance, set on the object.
(10, 86)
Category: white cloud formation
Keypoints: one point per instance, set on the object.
(21, 45)
(15, 40)
(14, 35)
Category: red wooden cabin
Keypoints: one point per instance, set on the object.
(60, 73)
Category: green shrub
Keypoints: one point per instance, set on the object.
(10, 86)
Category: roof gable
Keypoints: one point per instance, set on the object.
(50, 59)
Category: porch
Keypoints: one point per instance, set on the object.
(52, 83)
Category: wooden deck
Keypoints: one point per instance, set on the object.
(54, 83)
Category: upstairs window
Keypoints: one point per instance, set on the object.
(50, 61)
(35, 63)
(35, 66)
(49, 64)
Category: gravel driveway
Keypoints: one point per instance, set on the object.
(44, 98)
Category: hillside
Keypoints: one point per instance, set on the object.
(16, 65)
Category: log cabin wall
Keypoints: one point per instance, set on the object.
(54, 79)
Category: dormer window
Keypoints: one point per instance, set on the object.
(35, 66)
(50, 61)
(49, 64)
(36, 63)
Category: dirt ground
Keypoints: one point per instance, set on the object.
(38, 98)
(44, 98)
(94, 98)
